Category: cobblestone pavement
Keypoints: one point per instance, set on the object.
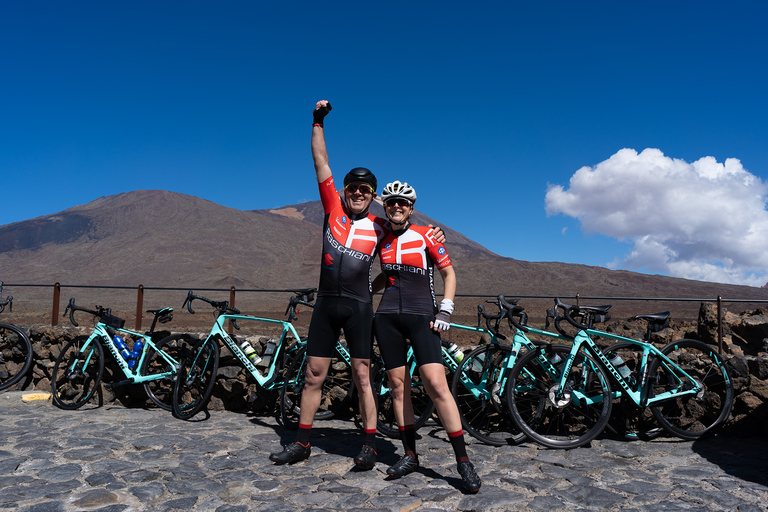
(118, 459)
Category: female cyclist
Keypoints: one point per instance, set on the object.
(409, 311)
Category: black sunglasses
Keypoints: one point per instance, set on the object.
(398, 201)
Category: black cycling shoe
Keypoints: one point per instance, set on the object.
(294, 452)
(366, 459)
(406, 464)
(469, 476)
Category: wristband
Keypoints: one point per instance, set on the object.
(447, 306)
(318, 124)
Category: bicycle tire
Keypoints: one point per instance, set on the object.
(196, 379)
(77, 373)
(485, 417)
(628, 420)
(338, 389)
(160, 391)
(386, 423)
(15, 355)
(692, 416)
(559, 422)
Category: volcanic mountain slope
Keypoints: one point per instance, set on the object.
(166, 239)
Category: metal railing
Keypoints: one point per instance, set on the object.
(57, 287)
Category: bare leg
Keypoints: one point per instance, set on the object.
(312, 395)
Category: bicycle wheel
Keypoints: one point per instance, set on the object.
(77, 373)
(386, 423)
(559, 420)
(15, 355)
(196, 379)
(478, 389)
(338, 389)
(628, 419)
(691, 416)
(160, 391)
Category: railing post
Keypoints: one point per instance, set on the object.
(55, 309)
(231, 304)
(139, 305)
(719, 324)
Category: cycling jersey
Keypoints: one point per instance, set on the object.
(408, 259)
(348, 248)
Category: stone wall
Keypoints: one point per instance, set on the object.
(745, 348)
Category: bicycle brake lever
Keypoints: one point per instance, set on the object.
(188, 302)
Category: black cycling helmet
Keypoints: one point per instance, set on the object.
(361, 174)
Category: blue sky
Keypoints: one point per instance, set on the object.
(629, 135)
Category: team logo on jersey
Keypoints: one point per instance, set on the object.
(344, 219)
(441, 251)
(328, 261)
(387, 245)
(391, 282)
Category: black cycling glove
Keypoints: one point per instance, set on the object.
(319, 113)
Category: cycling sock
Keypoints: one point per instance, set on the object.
(370, 438)
(459, 446)
(408, 435)
(304, 434)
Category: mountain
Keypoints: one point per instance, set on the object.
(166, 239)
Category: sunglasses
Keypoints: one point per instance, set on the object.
(398, 201)
(362, 188)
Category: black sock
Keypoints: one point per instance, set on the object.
(304, 434)
(459, 447)
(408, 435)
(370, 438)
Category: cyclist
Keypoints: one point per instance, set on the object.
(350, 240)
(409, 311)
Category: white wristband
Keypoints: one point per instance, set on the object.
(447, 306)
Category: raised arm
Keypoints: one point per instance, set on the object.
(319, 152)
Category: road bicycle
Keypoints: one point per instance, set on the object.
(685, 384)
(269, 369)
(79, 366)
(15, 349)
(480, 384)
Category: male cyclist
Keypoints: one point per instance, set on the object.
(350, 240)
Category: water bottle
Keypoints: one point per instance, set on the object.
(121, 347)
(137, 346)
(555, 359)
(619, 363)
(250, 352)
(455, 351)
(269, 351)
(477, 362)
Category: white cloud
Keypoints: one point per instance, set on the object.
(703, 220)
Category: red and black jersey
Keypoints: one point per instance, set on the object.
(349, 246)
(408, 259)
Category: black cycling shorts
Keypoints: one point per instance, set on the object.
(331, 315)
(392, 331)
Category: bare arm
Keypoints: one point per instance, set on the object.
(442, 321)
(319, 151)
(449, 279)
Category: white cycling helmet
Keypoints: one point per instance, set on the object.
(398, 189)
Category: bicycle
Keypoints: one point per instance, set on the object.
(480, 384)
(15, 349)
(79, 366)
(198, 374)
(685, 384)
